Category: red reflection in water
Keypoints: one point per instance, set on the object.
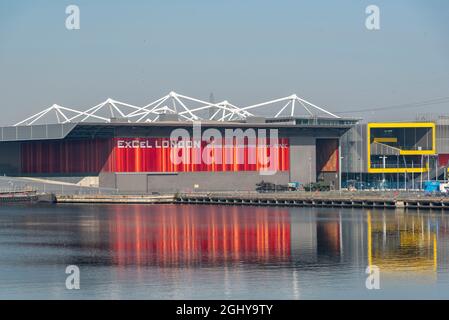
(187, 234)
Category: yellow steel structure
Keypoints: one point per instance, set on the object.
(383, 140)
(394, 125)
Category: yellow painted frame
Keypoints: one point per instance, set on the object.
(381, 140)
(430, 125)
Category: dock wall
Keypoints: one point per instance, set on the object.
(302, 199)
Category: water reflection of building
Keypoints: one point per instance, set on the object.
(212, 234)
(398, 242)
(403, 243)
(192, 235)
(305, 237)
(316, 236)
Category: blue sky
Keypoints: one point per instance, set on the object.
(244, 51)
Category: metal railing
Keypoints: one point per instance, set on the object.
(379, 194)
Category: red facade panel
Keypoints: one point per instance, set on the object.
(443, 159)
(150, 155)
(161, 155)
(70, 156)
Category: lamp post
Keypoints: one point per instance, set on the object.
(384, 158)
(397, 177)
(422, 160)
(436, 168)
(339, 173)
(361, 173)
(445, 174)
(310, 173)
(406, 173)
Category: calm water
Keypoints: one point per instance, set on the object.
(221, 252)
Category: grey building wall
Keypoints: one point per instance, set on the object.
(188, 181)
(443, 136)
(134, 183)
(354, 150)
(107, 180)
(303, 159)
(424, 139)
(36, 132)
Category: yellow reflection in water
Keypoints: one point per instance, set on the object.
(402, 244)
